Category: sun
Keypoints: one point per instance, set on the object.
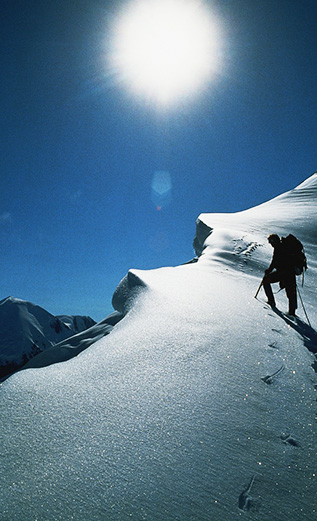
(165, 49)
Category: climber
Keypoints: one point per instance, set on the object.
(280, 270)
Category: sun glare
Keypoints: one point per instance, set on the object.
(165, 49)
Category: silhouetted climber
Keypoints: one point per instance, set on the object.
(281, 270)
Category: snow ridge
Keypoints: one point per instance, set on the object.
(198, 406)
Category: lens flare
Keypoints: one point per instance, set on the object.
(161, 189)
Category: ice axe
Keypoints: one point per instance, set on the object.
(303, 306)
(260, 286)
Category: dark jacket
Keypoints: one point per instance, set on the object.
(283, 264)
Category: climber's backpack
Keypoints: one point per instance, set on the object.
(295, 250)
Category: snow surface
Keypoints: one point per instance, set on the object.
(198, 406)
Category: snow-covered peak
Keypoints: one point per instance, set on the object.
(10, 300)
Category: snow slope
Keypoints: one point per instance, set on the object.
(27, 330)
(199, 405)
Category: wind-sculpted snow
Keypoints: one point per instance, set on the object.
(127, 290)
(295, 210)
(198, 406)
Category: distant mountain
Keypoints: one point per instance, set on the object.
(27, 330)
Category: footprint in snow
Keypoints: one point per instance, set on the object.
(273, 345)
(246, 501)
(268, 379)
(287, 439)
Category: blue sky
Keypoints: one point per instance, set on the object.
(79, 152)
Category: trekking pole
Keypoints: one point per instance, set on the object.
(261, 283)
(303, 306)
